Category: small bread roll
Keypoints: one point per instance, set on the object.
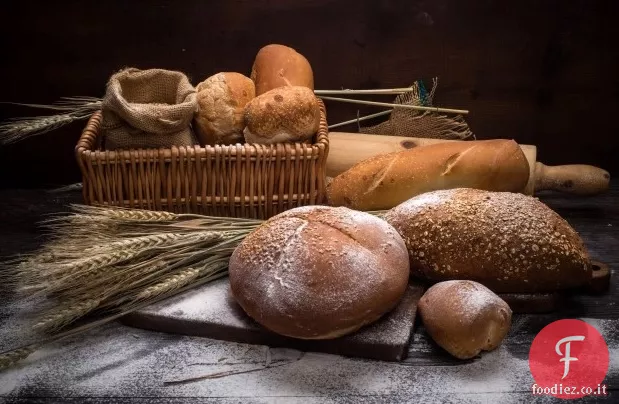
(509, 242)
(285, 114)
(221, 105)
(317, 272)
(464, 317)
(277, 66)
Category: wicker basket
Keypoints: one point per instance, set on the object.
(249, 180)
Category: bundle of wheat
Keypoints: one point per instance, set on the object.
(103, 263)
(100, 264)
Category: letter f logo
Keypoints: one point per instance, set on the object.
(567, 358)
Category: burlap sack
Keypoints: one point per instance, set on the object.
(413, 123)
(148, 109)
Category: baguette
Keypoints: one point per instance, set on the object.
(509, 242)
(386, 180)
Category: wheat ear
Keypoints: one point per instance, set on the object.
(10, 358)
(126, 214)
(62, 317)
(179, 280)
(96, 262)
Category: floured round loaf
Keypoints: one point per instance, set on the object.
(221, 106)
(285, 114)
(464, 317)
(318, 272)
(278, 65)
(507, 241)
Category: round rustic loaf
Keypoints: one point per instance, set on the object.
(464, 317)
(507, 241)
(221, 107)
(285, 114)
(318, 272)
(278, 65)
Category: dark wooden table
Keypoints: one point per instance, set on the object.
(120, 364)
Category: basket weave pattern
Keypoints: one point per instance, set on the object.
(249, 180)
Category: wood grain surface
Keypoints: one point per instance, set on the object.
(119, 364)
(541, 72)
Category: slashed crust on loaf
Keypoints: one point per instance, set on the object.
(317, 272)
(385, 180)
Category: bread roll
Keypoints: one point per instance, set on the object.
(221, 106)
(464, 317)
(383, 181)
(285, 114)
(511, 243)
(317, 272)
(277, 66)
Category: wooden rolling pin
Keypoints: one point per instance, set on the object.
(347, 149)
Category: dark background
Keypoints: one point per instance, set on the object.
(540, 72)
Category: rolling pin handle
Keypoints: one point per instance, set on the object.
(578, 179)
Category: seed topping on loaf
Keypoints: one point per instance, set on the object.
(474, 234)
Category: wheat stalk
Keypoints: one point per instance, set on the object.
(15, 130)
(74, 108)
(180, 279)
(126, 214)
(138, 243)
(173, 282)
(66, 277)
(10, 358)
(66, 315)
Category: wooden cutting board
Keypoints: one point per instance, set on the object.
(210, 311)
(347, 149)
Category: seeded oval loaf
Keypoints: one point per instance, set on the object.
(464, 317)
(317, 272)
(509, 242)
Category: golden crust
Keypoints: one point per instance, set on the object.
(279, 65)
(386, 180)
(509, 242)
(285, 114)
(464, 317)
(221, 105)
(317, 272)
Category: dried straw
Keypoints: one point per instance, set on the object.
(74, 108)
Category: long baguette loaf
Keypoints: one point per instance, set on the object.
(509, 242)
(386, 180)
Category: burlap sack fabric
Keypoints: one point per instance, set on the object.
(148, 109)
(412, 123)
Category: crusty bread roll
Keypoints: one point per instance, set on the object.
(279, 65)
(511, 243)
(221, 106)
(464, 317)
(383, 181)
(318, 272)
(285, 114)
